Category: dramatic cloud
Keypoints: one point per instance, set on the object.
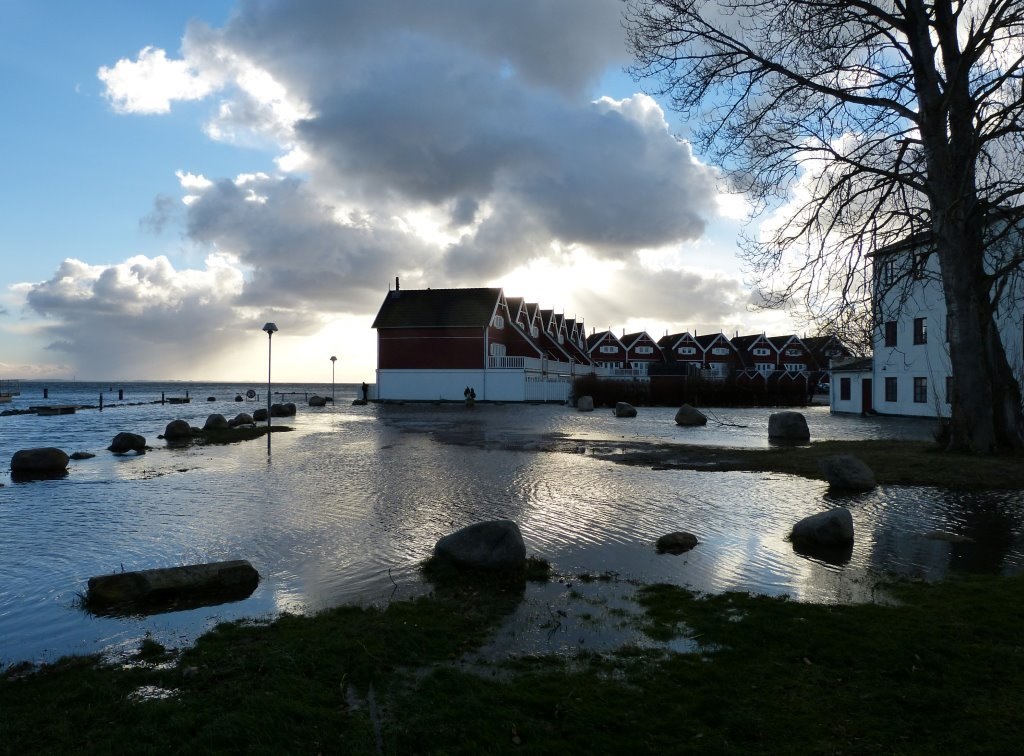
(143, 307)
(449, 143)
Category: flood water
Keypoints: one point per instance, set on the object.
(349, 503)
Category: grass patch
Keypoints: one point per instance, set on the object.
(940, 672)
(915, 463)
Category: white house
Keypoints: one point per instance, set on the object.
(910, 372)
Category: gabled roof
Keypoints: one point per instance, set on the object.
(595, 338)
(437, 308)
(705, 340)
(744, 343)
(781, 342)
(629, 340)
(669, 340)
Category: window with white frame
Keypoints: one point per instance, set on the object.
(498, 322)
(561, 337)
(687, 350)
(793, 352)
(719, 368)
(795, 367)
(645, 350)
(497, 350)
(764, 367)
(534, 332)
(609, 350)
(761, 352)
(720, 351)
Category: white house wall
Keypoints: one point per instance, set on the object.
(906, 361)
(854, 404)
(449, 385)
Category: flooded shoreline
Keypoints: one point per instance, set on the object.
(350, 502)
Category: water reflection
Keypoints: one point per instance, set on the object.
(356, 497)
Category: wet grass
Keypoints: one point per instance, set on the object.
(940, 672)
(916, 463)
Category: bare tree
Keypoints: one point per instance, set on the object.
(871, 123)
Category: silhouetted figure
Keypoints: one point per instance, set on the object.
(366, 390)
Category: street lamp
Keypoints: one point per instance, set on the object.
(270, 328)
(333, 360)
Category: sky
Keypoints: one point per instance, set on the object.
(178, 174)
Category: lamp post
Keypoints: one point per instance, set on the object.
(270, 328)
(333, 360)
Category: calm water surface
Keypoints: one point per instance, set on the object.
(351, 501)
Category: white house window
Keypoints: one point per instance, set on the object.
(720, 351)
(561, 338)
(764, 367)
(498, 322)
(793, 352)
(609, 350)
(534, 332)
(497, 350)
(795, 367)
(761, 352)
(719, 368)
(645, 350)
(687, 350)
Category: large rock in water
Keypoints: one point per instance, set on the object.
(216, 421)
(126, 442)
(688, 415)
(317, 401)
(165, 587)
(788, 426)
(496, 545)
(45, 460)
(177, 430)
(260, 415)
(624, 409)
(677, 542)
(242, 418)
(846, 472)
(585, 404)
(831, 528)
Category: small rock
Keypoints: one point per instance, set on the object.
(788, 426)
(40, 461)
(492, 545)
(624, 409)
(126, 442)
(82, 455)
(847, 473)
(831, 528)
(690, 416)
(677, 542)
(585, 404)
(177, 429)
(216, 421)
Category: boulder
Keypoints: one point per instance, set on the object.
(126, 442)
(677, 542)
(846, 472)
(211, 398)
(238, 398)
(788, 426)
(690, 416)
(358, 402)
(831, 528)
(166, 587)
(317, 401)
(177, 429)
(45, 460)
(216, 421)
(242, 418)
(585, 404)
(496, 545)
(286, 409)
(624, 409)
(260, 415)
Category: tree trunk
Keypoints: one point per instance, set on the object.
(987, 414)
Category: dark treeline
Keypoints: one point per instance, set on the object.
(674, 390)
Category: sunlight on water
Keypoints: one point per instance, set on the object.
(353, 499)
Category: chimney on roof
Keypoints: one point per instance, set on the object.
(396, 283)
